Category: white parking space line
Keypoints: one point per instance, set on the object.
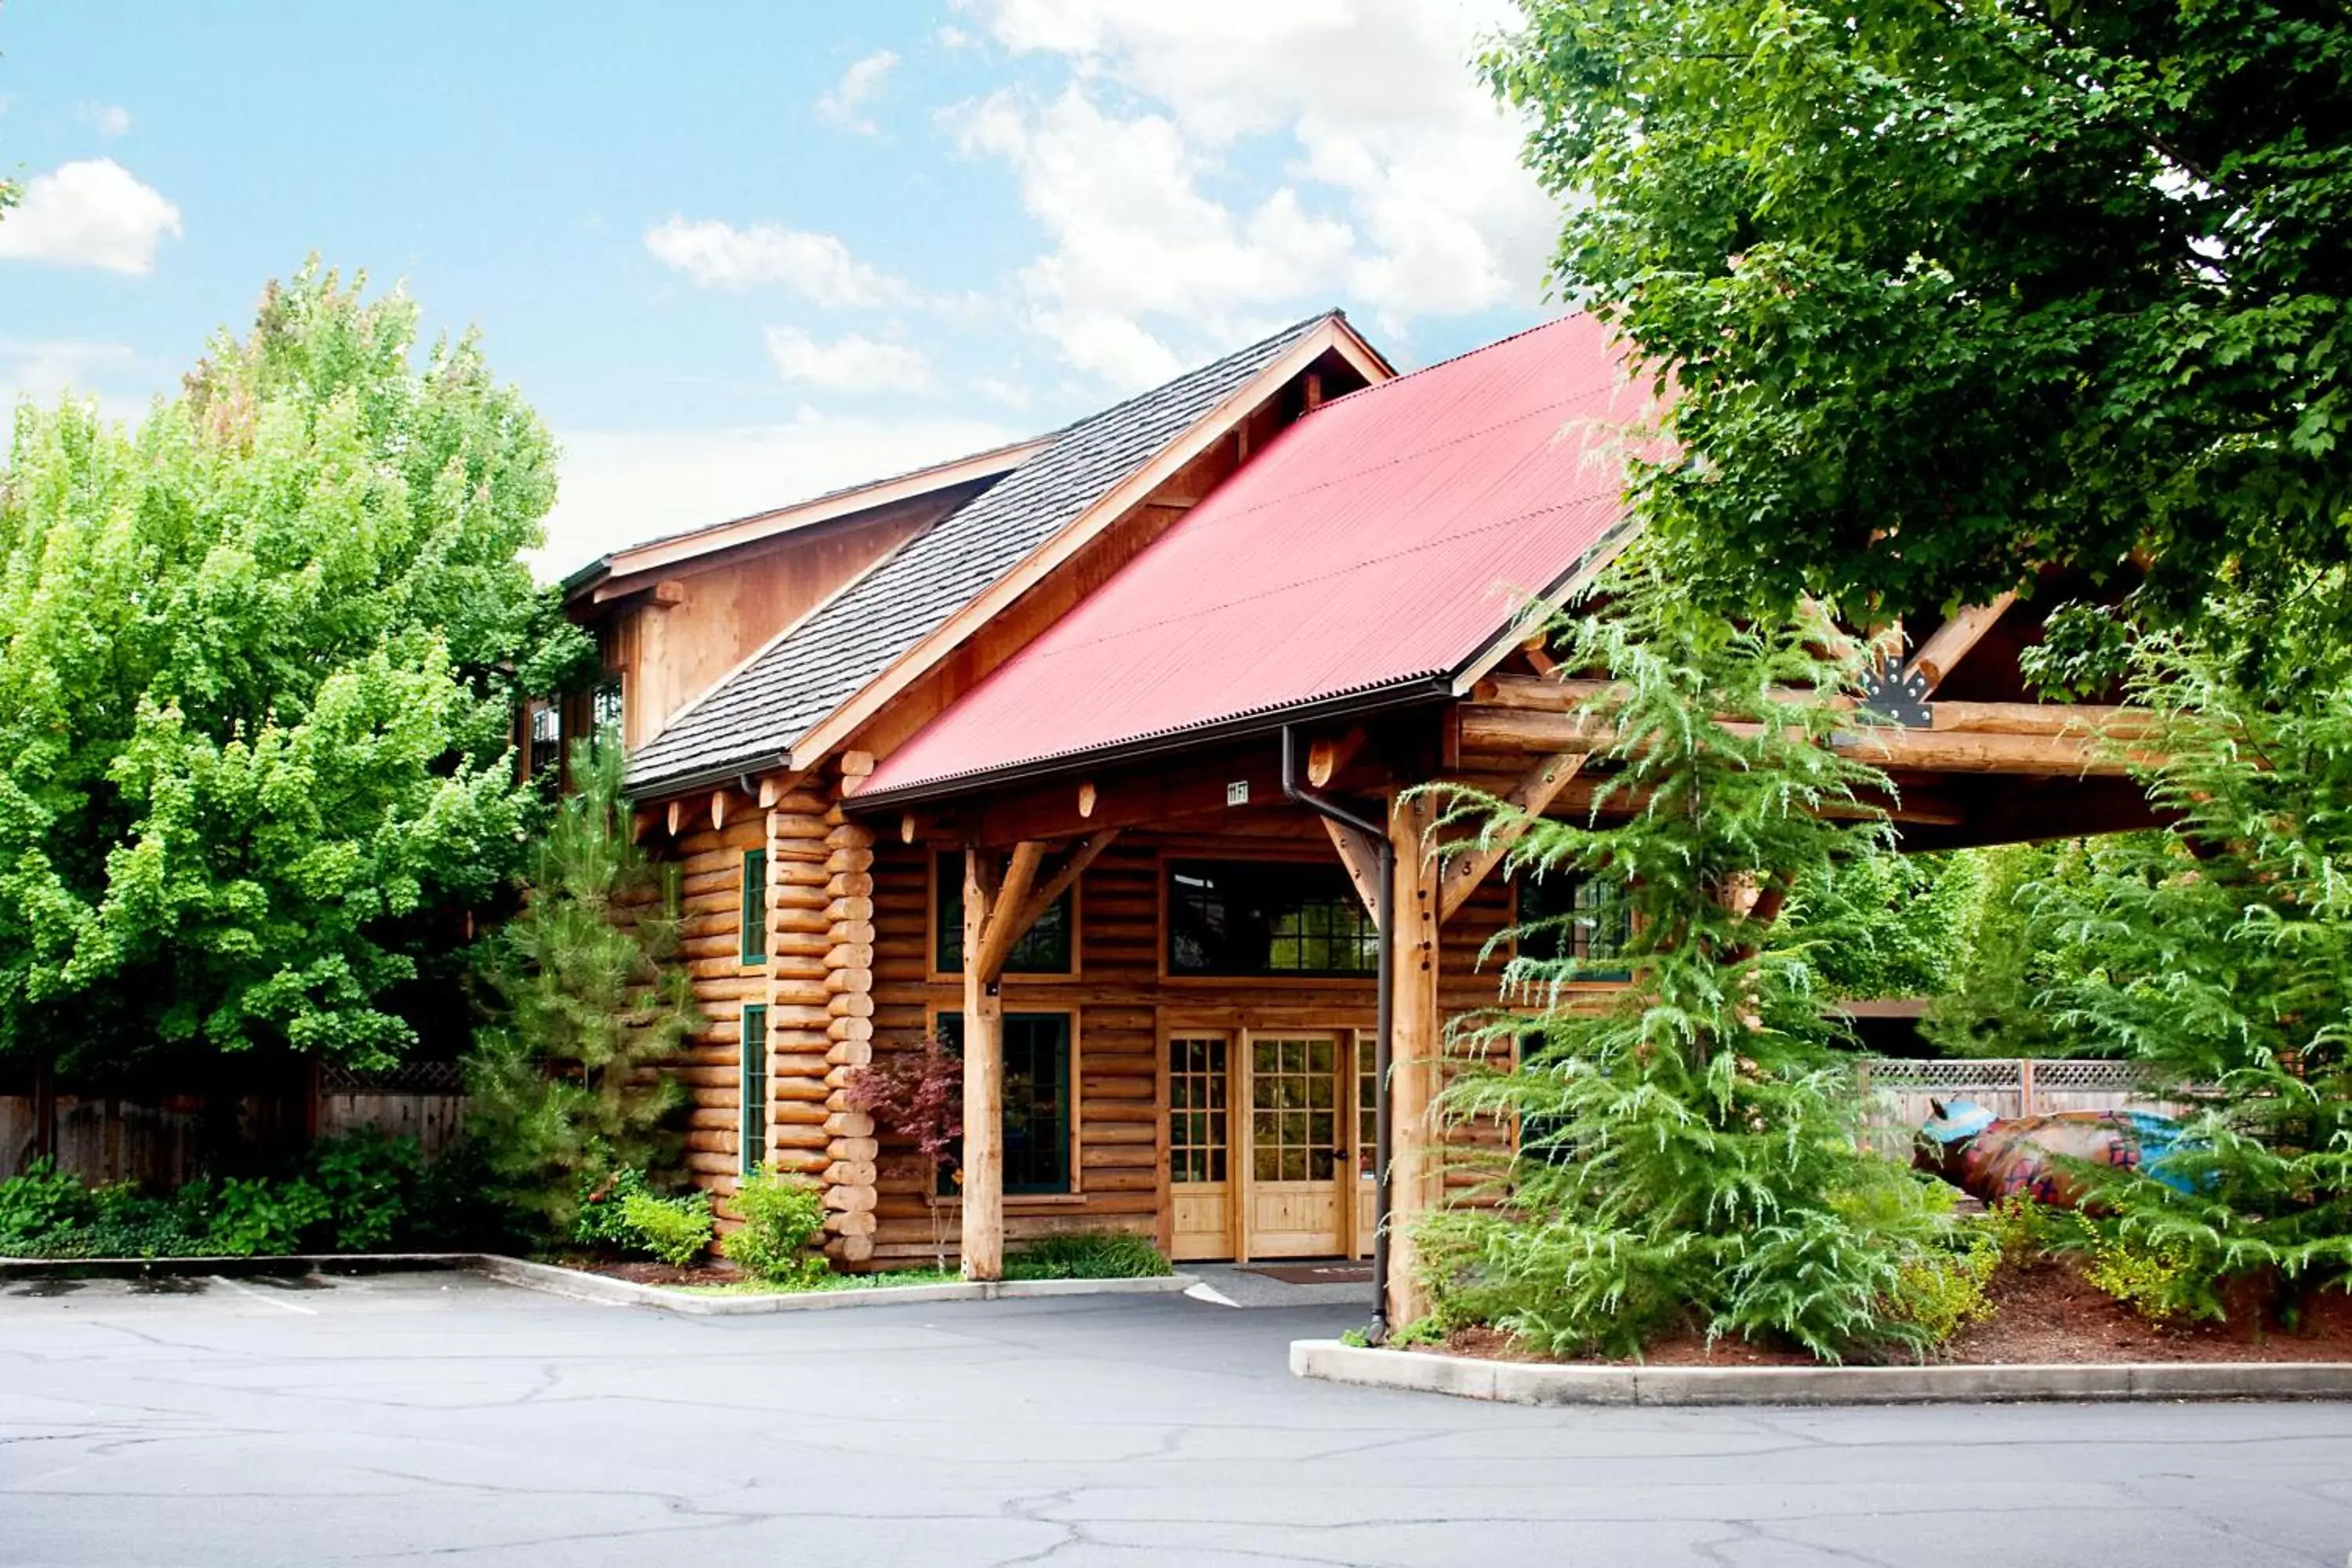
(265, 1296)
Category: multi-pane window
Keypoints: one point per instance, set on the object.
(1569, 917)
(1294, 1109)
(754, 915)
(1367, 1108)
(1044, 948)
(604, 708)
(753, 1138)
(1037, 1104)
(1267, 917)
(545, 723)
(1196, 1110)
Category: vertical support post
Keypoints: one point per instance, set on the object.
(2026, 1097)
(1416, 1177)
(983, 1080)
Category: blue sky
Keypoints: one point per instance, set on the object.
(737, 253)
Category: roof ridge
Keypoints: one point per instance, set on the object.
(1455, 359)
(1204, 368)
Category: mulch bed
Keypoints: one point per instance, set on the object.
(2047, 1314)
(657, 1273)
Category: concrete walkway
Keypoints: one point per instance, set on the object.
(400, 1418)
(1225, 1285)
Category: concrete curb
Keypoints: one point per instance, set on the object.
(577, 1283)
(582, 1286)
(276, 1267)
(1518, 1383)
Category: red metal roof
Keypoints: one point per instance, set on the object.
(1387, 539)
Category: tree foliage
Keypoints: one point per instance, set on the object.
(2225, 948)
(1689, 1151)
(1952, 290)
(568, 1081)
(258, 660)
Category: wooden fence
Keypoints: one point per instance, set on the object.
(1899, 1095)
(163, 1139)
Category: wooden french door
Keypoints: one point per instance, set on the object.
(1270, 1144)
(1297, 1143)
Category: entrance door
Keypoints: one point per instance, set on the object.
(1199, 1132)
(1297, 1143)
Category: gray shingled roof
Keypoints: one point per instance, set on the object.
(753, 717)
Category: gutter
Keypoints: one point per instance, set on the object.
(1385, 1049)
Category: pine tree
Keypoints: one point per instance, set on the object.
(569, 1079)
(1689, 1151)
(2225, 947)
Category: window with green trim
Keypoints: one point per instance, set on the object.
(1037, 1104)
(1563, 916)
(755, 906)
(753, 1141)
(1044, 948)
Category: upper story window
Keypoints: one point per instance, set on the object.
(1267, 917)
(753, 916)
(543, 727)
(1044, 948)
(1563, 916)
(605, 707)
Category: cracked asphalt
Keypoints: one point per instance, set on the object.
(402, 1418)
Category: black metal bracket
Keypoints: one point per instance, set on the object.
(1902, 698)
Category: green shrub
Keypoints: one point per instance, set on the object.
(1089, 1254)
(1942, 1291)
(369, 1180)
(39, 1204)
(251, 1216)
(672, 1230)
(782, 1217)
(2021, 1227)
(603, 1197)
(2158, 1280)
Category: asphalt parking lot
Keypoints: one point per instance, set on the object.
(407, 1417)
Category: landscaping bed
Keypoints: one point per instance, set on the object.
(2045, 1313)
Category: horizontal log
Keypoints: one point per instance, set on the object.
(851, 1223)
(851, 1250)
(855, 1150)
(1924, 751)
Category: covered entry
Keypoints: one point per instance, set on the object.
(1270, 1137)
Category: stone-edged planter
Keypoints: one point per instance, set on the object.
(581, 1285)
(1526, 1382)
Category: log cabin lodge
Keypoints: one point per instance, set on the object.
(1089, 754)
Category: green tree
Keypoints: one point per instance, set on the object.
(2225, 948)
(1887, 924)
(1949, 291)
(1688, 1153)
(567, 1082)
(258, 661)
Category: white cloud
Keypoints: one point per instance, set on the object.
(952, 38)
(623, 486)
(817, 267)
(44, 370)
(1134, 236)
(109, 120)
(852, 363)
(92, 213)
(845, 105)
(1402, 190)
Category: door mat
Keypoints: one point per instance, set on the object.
(1314, 1273)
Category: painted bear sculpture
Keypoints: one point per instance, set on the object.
(2045, 1157)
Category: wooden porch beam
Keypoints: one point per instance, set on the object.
(1002, 927)
(1486, 729)
(1466, 866)
(1360, 854)
(1952, 642)
(1073, 867)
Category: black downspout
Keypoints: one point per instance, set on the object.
(1383, 1050)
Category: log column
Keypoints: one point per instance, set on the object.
(798, 938)
(983, 1080)
(1416, 1182)
(850, 1147)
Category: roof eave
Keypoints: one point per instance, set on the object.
(1411, 691)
